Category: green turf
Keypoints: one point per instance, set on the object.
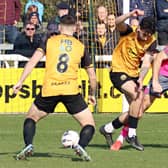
(153, 133)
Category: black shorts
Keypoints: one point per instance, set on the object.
(73, 103)
(119, 78)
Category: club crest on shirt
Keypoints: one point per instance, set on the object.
(123, 77)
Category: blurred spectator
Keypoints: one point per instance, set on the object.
(26, 43)
(104, 44)
(148, 6)
(134, 24)
(79, 8)
(100, 38)
(103, 40)
(39, 5)
(81, 33)
(73, 8)
(34, 18)
(119, 7)
(31, 8)
(111, 29)
(162, 22)
(136, 4)
(10, 11)
(111, 22)
(102, 14)
(63, 9)
(101, 17)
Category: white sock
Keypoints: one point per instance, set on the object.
(120, 138)
(109, 128)
(131, 132)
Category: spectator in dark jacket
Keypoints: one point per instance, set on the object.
(162, 22)
(63, 9)
(146, 6)
(10, 11)
(26, 43)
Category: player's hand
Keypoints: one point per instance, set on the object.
(15, 23)
(17, 87)
(137, 12)
(92, 100)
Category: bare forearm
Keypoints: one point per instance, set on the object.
(92, 80)
(156, 68)
(27, 70)
(146, 65)
(93, 86)
(122, 18)
(143, 72)
(121, 26)
(30, 65)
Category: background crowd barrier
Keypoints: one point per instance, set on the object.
(11, 60)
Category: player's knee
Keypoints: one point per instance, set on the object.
(35, 114)
(133, 95)
(88, 130)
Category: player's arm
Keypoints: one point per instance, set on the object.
(146, 64)
(92, 79)
(121, 26)
(87, 64)
(163, 55)
(38, 54)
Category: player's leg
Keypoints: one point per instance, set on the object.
(120, 140)
(85, 118)
(130, 88)
(108, 129)
(86, 121)
(77, 107)
(29, 128)
(147, 102)
(41, 107)
(124, 131)
(117, 79)
(33, 116)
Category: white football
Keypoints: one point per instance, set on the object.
(70, 138)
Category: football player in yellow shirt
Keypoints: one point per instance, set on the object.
(64, 54)
(125, 74)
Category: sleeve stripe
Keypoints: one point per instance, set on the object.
(90, 66)
(40, 49)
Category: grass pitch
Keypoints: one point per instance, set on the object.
(152, 132)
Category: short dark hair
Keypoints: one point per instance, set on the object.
(62, 5)
(148, 24)
(67, 20)
(28, 22)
